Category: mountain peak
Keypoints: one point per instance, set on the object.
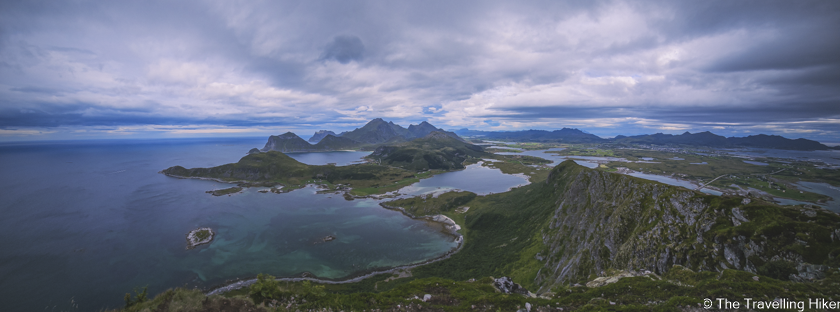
(288, 135)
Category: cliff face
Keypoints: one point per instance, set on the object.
(605, 221)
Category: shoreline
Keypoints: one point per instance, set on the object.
(450, 229)
(193, 241)
(245, 283)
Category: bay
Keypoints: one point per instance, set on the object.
(86, 222)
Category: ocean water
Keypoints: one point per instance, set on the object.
(83, 223)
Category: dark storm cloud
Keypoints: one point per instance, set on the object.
(344, 48)
(479, 64)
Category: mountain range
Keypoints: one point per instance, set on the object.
(375, 133)
(706, 138)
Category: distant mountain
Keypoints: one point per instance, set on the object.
(334, 143)
(779, 142)
(437, 150)
(714, 140)
(565, 135)
(287, 142)
(290, 143)
(378, 131)
(687, 138)
(320, 135)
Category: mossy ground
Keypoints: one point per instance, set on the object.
(202, 235)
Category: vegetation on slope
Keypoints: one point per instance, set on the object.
(272, 168)
(437, 150)
(432, 205)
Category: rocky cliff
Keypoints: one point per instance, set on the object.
(604, 221)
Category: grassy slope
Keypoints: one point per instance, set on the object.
(427, 205)
(435, 151)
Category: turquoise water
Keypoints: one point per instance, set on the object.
(90, 221)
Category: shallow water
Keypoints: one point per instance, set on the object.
(757, 163)
(831, 157)
(474, 178)
(824, 189)
(93, 220)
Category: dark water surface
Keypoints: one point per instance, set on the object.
(90, 221)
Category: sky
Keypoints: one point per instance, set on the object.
(159, 69)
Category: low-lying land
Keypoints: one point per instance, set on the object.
(227, 191)
(729, 174)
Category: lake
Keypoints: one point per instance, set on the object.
(92, 220)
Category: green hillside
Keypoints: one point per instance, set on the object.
(437, 150)
(287, 142)
(334, 143)
(272, 168)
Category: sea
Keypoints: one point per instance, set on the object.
(85, 222)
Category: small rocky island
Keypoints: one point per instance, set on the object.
(199, 236)
(227, 191)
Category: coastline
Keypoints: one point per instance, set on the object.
(452, 229)
(248, 282)
(450, 226)
(193, 241)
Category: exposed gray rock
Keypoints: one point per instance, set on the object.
(506, 285)
(809, 272)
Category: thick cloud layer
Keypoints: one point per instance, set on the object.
(156, 68)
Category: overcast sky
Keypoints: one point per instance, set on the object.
(77, 69)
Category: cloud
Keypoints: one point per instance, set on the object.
(610, 67)
(344, 48)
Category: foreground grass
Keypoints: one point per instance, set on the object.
(678, 289)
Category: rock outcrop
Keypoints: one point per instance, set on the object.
(606, 221)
